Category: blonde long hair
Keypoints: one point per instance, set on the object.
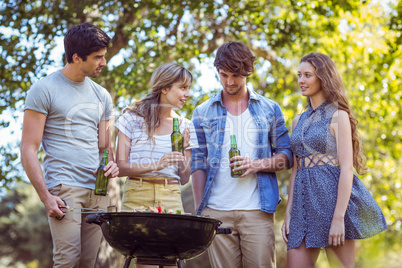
(162, 78)
(334, 92)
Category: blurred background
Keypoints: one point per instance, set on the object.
(362, 37)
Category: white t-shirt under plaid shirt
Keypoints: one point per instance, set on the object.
(143, 151)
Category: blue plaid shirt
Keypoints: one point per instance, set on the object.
(209, 120)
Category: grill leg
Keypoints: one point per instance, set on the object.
(127, 263)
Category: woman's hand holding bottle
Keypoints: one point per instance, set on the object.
(169, 159)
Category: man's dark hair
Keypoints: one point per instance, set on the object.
(84, 39)
(235, 57)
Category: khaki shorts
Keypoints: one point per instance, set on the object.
(142, 193)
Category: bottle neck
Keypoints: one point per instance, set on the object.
(233, 143)
(175, 125)
(104, 159)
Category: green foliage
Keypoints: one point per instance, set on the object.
(24, 228)
(8, 172)
(362, 37)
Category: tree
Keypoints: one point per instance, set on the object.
(362, 37)
(151, 32)
(24, 228)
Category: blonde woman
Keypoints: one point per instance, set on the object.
(144, 151)
(328, 206)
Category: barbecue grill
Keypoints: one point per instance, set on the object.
(157, 238)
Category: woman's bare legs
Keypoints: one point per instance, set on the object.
(302, 256)
(343, 256)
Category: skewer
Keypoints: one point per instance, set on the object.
(85, 210)
(82, 210)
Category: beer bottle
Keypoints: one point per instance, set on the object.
(101, 179)
(176, 137)
(232, 153)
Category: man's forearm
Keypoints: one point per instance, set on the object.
(276, 163)
(34, 172)
(199, 179)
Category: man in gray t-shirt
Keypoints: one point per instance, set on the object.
(70, 115)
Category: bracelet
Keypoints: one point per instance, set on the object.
(288, 211)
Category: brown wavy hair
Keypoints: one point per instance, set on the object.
(162, 78)
(235, 57)
(334, 92)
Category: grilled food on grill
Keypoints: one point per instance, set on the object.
(157, 209)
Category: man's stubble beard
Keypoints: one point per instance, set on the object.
(232, 92)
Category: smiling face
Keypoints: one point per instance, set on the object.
(176, 95)
(232, 83)
(309, 83)
(94, 63)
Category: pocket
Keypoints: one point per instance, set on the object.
(210, 128)
(55, 190)
(174, 189)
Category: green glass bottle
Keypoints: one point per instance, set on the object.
(176, 137)
(101, 179)
(232, 153)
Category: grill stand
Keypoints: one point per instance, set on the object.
(154, 261)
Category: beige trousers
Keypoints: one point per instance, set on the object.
(251, 244)
(75, 242)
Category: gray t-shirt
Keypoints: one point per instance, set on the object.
(70, 139)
